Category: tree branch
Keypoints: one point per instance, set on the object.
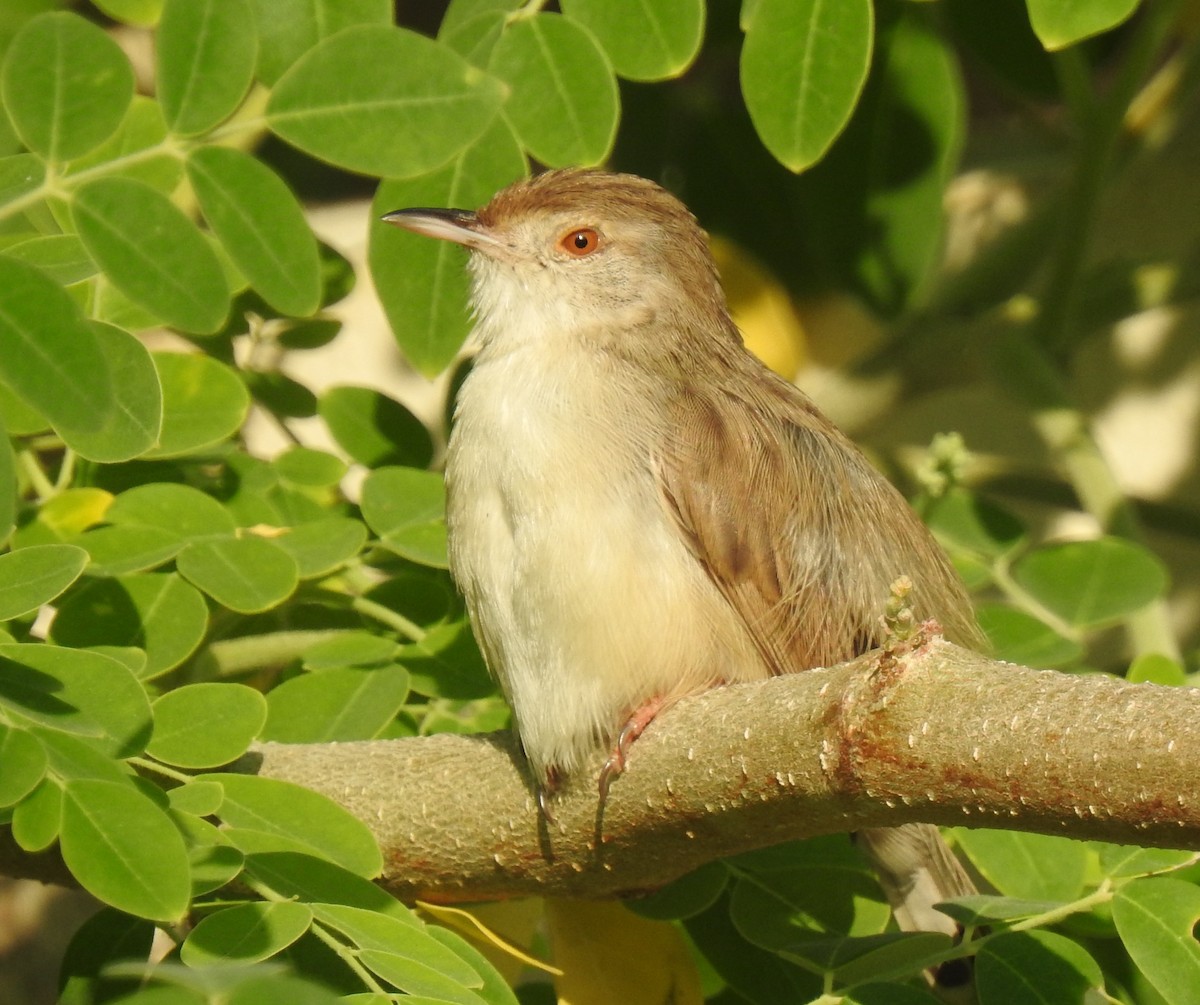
(935, 733)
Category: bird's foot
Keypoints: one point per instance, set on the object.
(634, 726)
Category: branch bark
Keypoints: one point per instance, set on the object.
(935, 733)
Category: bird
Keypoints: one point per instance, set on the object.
(638, 509)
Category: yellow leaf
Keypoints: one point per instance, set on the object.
(495, 926)
(609, 954)
(761, 308)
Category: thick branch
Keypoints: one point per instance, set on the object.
(938, 734)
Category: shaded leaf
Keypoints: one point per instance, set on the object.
(287, 29)
(1060, 23)
(204, 402)
(24, 760)
(407, 509)
(245, 933)
(34, 576)
(373, 428)
(1027, 866)
(1156, 919)
(1034, 967)
(803, 66)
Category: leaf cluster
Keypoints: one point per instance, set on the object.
(169, 596)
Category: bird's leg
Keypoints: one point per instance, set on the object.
(634, 726)
(546, 791)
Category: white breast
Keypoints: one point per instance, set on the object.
(585, 597)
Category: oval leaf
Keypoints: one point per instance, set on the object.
(645, 41)
(77, 692)
(1088, 583)
(124, 850)
(1060, 23)
(181, 509)
(1156, 919)
(247, 933)
(206, 725)
(564, 104)
(383, 101)
(156, 612)
(287, 29)
(407, 509)
(1028, 866)
(320, 547)
(152, 253)
(346, 703)
(423, 284)
(298, 817)
(65, 85)
(204, 402)
(34, 576)
(374, 429)
(803, 66)
(1041, 968)
(24, 760)
(261, 226)
(206, 51)
(246, 574)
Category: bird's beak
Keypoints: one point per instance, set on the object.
(458, 225)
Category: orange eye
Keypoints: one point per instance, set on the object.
(579, 243)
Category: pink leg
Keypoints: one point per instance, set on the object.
(634, 726)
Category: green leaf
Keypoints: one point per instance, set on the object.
(299, 816)
(1156, 919)
(416, 978)
(246, 933)
(1088, 583)
(156, 612)
(245, 574)
(868, 957)
(1123, 861)
(1028, 866)
(1021, 638)
(320, 547)
(564, 104)
(317, 880)
(310, 468)
(78, 692)
(24, 760)
(446, 663)
(206, 725)
(1157, 669)
(140, 13)
(889, 994)
(422, 284)
(647, 40)
(132, 422)
(803, 66)
(287, 29)
(373, 428)
(1060, 23)
(983, 909)
(61, 256)
(200, 798)
(181, 509)
(65, 85)
(204, 403)
(1040, 968)
(973, 523)
(384, 101)
(349, 649)
(20, 174)
(124, 850)
(8, 486)
(407, 509)
(494, 989)
(106, 937)
(118, 551)
(49, 355)
(685, 897)
(260, 224)
(34, 576)
(370, 930)
(37, 819)
(136, 150)
(346, 703)
(152, 253)
(206, 52)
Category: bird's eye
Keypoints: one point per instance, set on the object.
(580, 242)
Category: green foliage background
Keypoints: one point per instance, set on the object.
(206, 598)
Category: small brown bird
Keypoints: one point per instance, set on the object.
(638, 509)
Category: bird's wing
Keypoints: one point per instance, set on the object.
(803, 541)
